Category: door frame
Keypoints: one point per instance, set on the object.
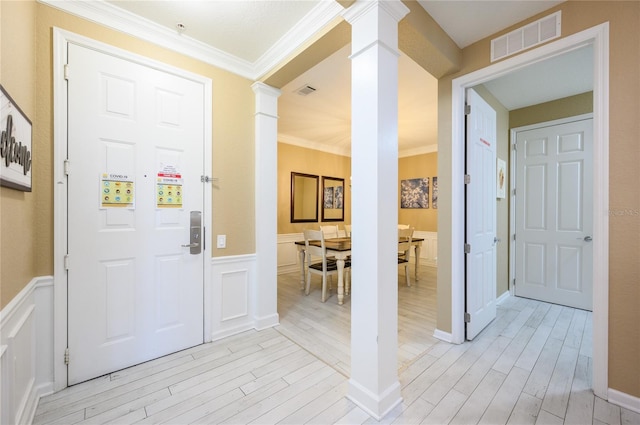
(61, 38)
(513, 132)
(598, 37)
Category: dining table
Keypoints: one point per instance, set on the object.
(340, 249)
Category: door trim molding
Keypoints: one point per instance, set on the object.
(598, 37)
(61, 38)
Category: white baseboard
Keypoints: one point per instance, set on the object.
(26, 351)
(502, 298)
(443, 336)
(624, 400)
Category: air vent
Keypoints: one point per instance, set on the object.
(531, 35)
(305, 90)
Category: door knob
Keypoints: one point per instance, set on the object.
(588, 238)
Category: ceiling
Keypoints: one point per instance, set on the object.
(254, 35)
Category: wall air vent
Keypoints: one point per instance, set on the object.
(535, 33)
(305, 90)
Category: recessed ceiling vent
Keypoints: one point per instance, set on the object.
(535, 33)
(305, 90)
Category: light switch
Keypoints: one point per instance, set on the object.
(222, 241)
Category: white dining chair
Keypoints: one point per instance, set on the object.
(324, 266)
(404, 226)
(330, 231)
(347, 230)
(404, 246)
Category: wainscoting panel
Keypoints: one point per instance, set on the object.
(26, 351)
(429, 250)
(288, 258)
(232, 288)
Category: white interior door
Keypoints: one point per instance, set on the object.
(135, 149)
(480, 215)
(554, 214)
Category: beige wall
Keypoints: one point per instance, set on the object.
(18, 236)
(554, 110)
(27, 219)
(309, 161)
(624, 157)
(413, 167)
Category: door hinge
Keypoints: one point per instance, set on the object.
(66, 356)
(66, 71)
(467, 248)
(514, 236)
(515, 147)
(66, 167)
(66, 262)
(514, 192)
(205, 179)
(514, 281)
(467, 109)
(467, 318)
(467, 178)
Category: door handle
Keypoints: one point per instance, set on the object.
(194, 233)
(588, 238)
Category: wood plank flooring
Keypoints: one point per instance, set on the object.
(532, 365)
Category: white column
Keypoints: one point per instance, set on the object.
(374, 384)
(265, 291)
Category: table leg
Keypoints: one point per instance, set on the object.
(417, 252)
(303, 278)
(340, 263)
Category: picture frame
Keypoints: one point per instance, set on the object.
(501, 179)
(15, 145)
(414, 193)
(304, 197)
(434, 192)
(332, 199)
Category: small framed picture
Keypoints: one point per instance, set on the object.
(501, 179)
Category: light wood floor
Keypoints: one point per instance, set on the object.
(531, 365)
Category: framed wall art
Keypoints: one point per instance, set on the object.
(414, 193)
(15, 145)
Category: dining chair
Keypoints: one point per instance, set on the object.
(347, 230)
(325, 267)
(404, 246)
(404, 226)
(330, 231)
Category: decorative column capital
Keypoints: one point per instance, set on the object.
(394, 8)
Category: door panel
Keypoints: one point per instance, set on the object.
(481, 215)
(554, 214)
(136, 143)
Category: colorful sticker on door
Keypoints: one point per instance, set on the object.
(117, 191)
(169, 190)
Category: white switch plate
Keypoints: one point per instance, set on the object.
(222, 241)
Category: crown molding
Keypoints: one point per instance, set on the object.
(312, 23)
(308, 144)
(113, 17)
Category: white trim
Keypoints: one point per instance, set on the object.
(598, 36)
(502, 298)
(443, 336)
(111, 16)
(624, 400)
(60, 40)
(26, 350)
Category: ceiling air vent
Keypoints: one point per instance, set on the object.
(305, 90)
(535, 33)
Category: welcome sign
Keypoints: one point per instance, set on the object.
(15, 145)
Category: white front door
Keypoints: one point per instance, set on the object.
(135, 150)
(480, 215)
(554, 214)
